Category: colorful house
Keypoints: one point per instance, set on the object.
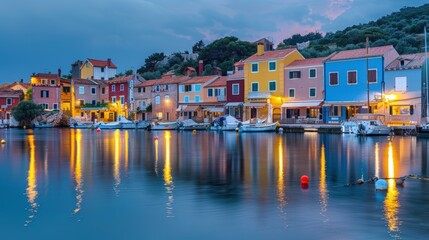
(21, 85)
(304, 88)
(264, 82)
(97, 69)
(402, 97)
(46, 90)
(192, 97)
(143, 99)
(8, 99)
(235, 92)
(121, 93)
(214, 99)
(352, 78)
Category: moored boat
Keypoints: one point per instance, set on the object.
(423, 130)
(163, 126)
(369, 125)
(259, 127)
(42, 125)
(189, 125)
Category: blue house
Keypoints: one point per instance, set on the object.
(403, 90)
(346, 76)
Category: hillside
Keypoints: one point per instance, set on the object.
(403, 30)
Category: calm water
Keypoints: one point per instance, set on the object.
(79, 184)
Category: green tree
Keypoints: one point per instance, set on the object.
(29, 94)
(198, 46)
(26, 111)
(151, 62)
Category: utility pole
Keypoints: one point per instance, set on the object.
(367, 75)
(426, 75)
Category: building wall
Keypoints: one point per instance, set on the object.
(5, 113)
(87, 96)
(355, 92)
(235, 98)
(214, 99)
(191, 94)
(118, 93)
(87, 71)
(106, 75)
(302, 85)
(164, 106)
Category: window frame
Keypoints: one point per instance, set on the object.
(356, 77)
(186, 98)
(9, 99)
(93, 90)
(315, 73)
(81, 90)
(257, 86)
(121, 87)
(113, 88)
(376, 75)
(257, 67)
(157, 100)
(315, 92)
(289, 91)
(329, 78)
(208, 92)
(275, 85)
(197, 98)
(269, 66)
(238, 89)
(114, 99)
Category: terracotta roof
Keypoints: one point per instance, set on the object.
(164, 80)
(99, 82)
(361, 53)
(201, 79)
(239, 63)
(147, 83)
(307, 62)
(10, 93)
(101, 63)
(121, 79)
(239, 75)
(276, 54)
(10, 86)
(46, 75)
(410, 61)
(79, 81)
(220, 82)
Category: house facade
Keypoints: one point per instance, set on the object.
(121, 93)
(235, 92)
(143, 99)
(353, 77)
(264, 82)
(98, 69)
(8, 99)
(304, 91)
(46, 90)
(215, 99)
(193, 97)
(402, 102)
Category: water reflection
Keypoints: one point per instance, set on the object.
(391, 203)
(117, 161)
(323, 189)
(32, 181)
(76, 160)
(156, 156)
(281, 194)
(168, 178)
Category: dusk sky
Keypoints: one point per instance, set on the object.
(44, 35)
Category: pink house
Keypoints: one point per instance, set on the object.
(47, 90)
(304, 90)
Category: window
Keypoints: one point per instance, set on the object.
(113, 88)
(235, 89)
(102, 101)
(43, 81)
(186, 99)
(102, 78)
(255, 87)
(52, 81)
(181, 88)
(93, 102)
(255, 67)
(114, 99)
(197, 98)
(187, 88)
(333, 78)
(66, 89)
(45, 105)
(157, 100)
(122, 98)
(121, 87)
(351, 77)
(167, 98)
(44, 94)
(102, 69)
(291, 92)
(139, 90)
(335, 111)
(55, 106)
(401, 110)
(8, 101)
(272, 66)
(312, 92)
(93, 90)
(372, 75)
(81, 90)
(210, 92)
(197, 87)
(219, 92)
(312, 73)
(81, 102)
(143, 89)
(400, 84)
(103, 90)
(166, 87)
(294, 74)
(272, 86)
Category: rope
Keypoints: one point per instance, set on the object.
(374, 179)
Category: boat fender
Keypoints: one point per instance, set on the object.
(381, 185)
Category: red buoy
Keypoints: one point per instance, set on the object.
(98, 130)
(155, 138)
(304, 179)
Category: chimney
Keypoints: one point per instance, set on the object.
(200, 67)
(59, 72)
(260, 51)
(22, 80)
(108, 62)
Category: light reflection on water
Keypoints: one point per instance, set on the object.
(237, 185)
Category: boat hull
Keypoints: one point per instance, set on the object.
(259, 128)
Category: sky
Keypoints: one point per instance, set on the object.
(44, 35)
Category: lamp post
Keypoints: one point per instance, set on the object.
(166, 103)
(426, 75)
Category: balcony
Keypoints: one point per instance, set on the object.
(259, 95)
(221, 98)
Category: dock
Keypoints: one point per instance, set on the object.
(400, 130)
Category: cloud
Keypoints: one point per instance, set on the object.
(336, 8)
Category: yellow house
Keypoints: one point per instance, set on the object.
(98, 69)
(264, 82)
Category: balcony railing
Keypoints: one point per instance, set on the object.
(259, 95)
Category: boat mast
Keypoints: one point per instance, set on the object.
(426, 75)
(367, 75)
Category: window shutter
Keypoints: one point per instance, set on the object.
(41, 94)
(47, 94)
(390, 110)
(411, 109)
(290, 75)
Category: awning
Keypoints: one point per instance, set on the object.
(233, 104)
(301, 104)
(256, 105)
(343, 103)
(94, 108)
(181, 108)
(190, 109)
(214, 109)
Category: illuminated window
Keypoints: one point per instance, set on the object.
(402, 110)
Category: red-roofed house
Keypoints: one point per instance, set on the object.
(8, 99)
(192, 100)
(235, 92)
(46, 90)
(264, 82)
(21, 85)
(304, 88)
(98, 69)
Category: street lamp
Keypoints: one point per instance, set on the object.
(166, 103)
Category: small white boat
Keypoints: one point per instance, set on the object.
(259, 127)
(109, 125)
(163, 126)
(189, 125)
(367, 125)
(126, 124)
(226, 123)
(347, 126)
(42, 125)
